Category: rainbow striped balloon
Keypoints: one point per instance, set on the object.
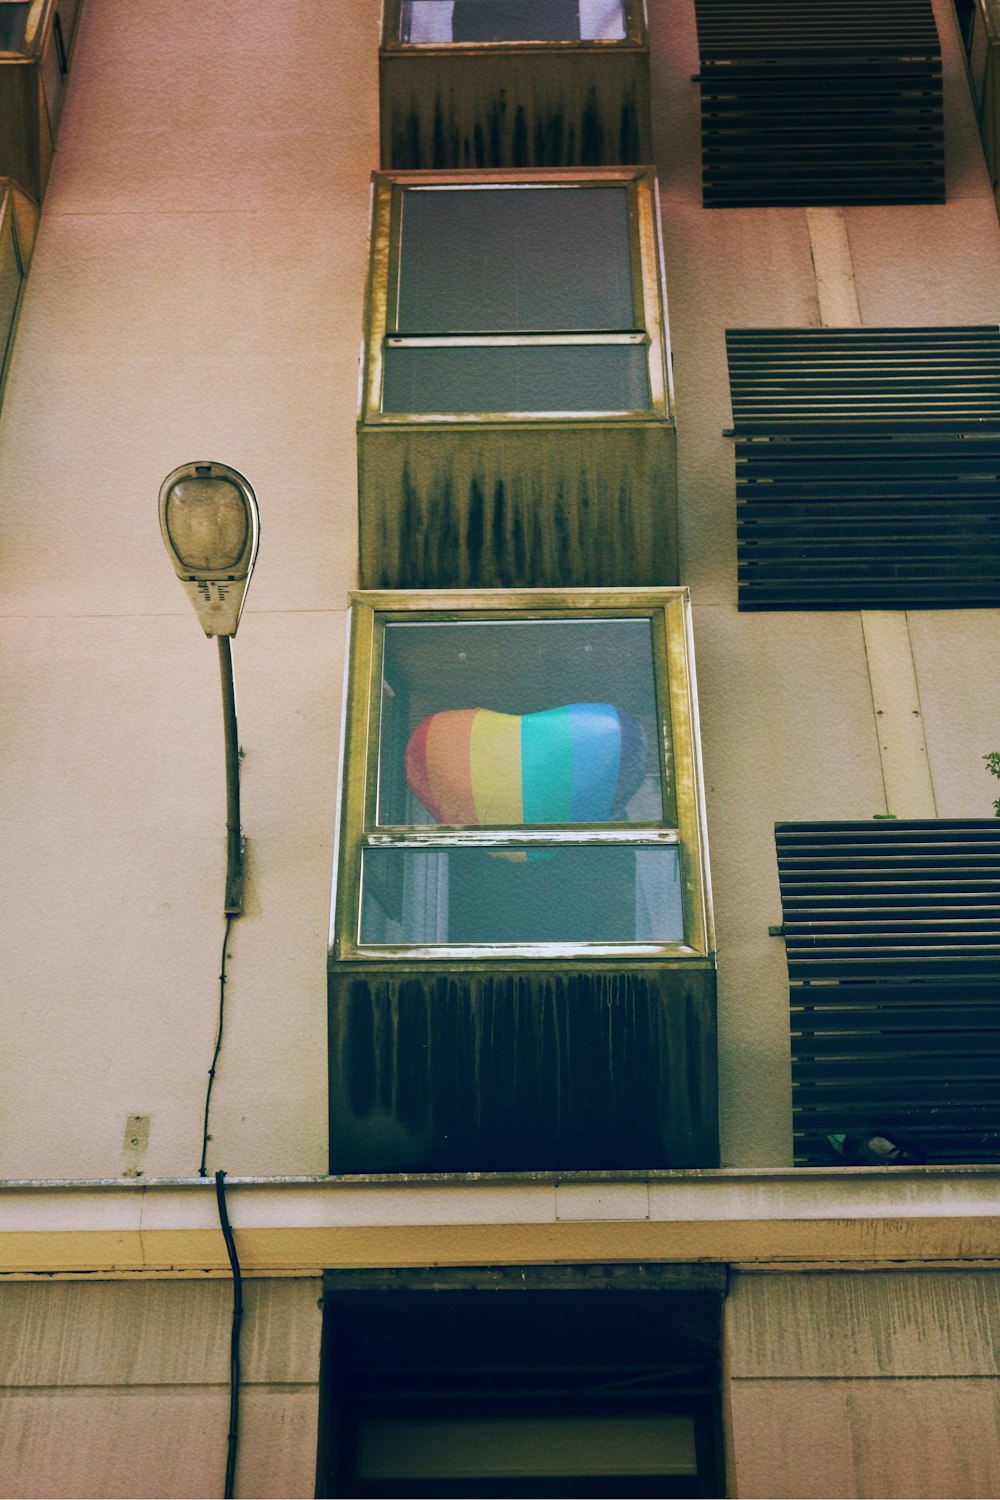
(575, 764)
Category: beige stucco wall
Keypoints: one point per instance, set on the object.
(788, 727)
(196, 291)
(859, 1384)
(116, 1389)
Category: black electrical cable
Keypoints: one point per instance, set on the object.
(234, 1347)
(218, 1043)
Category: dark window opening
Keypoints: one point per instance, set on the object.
(502, 722)
(515, 21)
(534, 1381)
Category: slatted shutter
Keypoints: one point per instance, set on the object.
(867, 467)
(892, 931)
(820, 102)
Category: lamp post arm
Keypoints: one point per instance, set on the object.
(234, 838)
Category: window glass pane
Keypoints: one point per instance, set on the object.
(511, 20)
(514, 260)
(568, 895)
(13, 19)
(472, 1444)
(537, 1487)
(517, 378)
(518, 722)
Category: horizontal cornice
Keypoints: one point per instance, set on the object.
(756, 1219)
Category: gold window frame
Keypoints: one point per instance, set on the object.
(18, 226)
(648, 297)
(635, 35)
(676, 704)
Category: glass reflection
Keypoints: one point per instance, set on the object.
(574, 895)
(515, 722)
(443, 21)
(539, 378)
(515, 260)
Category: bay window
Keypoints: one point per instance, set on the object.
(521, 778)
(521, 973)
(516, 426)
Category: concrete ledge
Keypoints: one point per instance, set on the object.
(299, 1226)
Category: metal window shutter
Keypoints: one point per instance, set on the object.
(892, 932)
(867, 467)
(820, 102)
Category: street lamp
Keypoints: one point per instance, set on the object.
(210, 526)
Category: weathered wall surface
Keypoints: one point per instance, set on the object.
(196, 293)
(114, 1389)
(879, 1383)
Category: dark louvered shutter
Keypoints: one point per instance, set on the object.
(893, 937)
(820, 102)
(867, 467)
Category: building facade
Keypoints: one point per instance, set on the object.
(623, 653)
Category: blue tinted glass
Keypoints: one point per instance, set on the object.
(13, 19)
(519, 721)
(516, 378)
(568, 895)
(514, 260)
(430, 22)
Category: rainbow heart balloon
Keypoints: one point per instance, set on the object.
(576, 764)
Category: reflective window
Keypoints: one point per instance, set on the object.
(519, 722)
(514, 260)
(514, 299)
(521, 896)
(444, 21)
(515, 780)
(516, 379)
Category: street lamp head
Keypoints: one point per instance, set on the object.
(210, 526)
